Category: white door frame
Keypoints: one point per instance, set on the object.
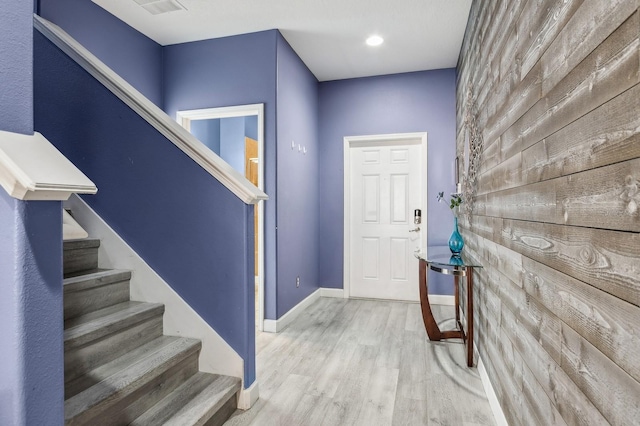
(184, 118)
(379, 140)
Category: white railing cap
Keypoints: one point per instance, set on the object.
(31, 168)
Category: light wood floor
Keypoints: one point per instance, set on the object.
(361, 362)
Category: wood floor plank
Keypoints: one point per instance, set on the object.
(412, 381)
(280, 409)
(311, 410)
(410, 412)
(347, 403)
(391, 345)
(365, 363)
(330, 374)
(377, 408)
(374, 327)
(414, 319)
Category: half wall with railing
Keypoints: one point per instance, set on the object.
(186, 212)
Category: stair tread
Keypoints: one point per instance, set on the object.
(94, 278)
(88, 327)
(112, 389)
(104, 371)
(193, 403)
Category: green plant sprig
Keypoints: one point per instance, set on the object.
(454, 202)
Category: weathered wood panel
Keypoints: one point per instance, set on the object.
(549, 18)
(520, 101)
(535, 202)
(556, 219)
(591, 25)
(565, 394)
(607, 260)
(611, 390)
(613, 67)
(506, 175)
(606, 197)
(606, 321)
(607, 135)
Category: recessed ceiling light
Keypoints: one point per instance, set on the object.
(375, 40)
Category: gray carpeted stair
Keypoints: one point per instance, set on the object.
(119, 367)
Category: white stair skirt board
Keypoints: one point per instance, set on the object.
(71, 230)
(275, 326)
(248, 397)
(179, 319)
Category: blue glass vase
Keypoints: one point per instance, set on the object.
(456, 243)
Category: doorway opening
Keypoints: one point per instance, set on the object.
(236, 134)
(385, 214)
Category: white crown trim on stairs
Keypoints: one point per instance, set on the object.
(179, 318)
(31, 168)
(178, 135)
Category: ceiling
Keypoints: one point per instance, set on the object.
(328, 35)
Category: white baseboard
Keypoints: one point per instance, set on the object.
(498, 414)
(494, 404)
(337, 293)
(276, 326)
(248, 397)
(439, 299)
(179, 318)
(434, 299)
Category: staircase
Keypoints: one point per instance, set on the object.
(119, 367)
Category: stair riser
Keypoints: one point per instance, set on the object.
(79, 361)
(133, 404)
(81, 259)
(224, 412)
(152, 393)
(83, 302)
(117, 365)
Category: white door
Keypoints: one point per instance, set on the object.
(385, 188)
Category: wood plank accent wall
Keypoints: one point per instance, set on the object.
(556, 220)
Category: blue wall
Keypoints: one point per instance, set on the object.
(237, 70)
(31, 323)
(226, 137)
(186, 225)
(207, 132)
(135, 57)
(232, 142)
(31, 352)
(413, 102)
(251, 127)
(16, 89)
(297, 179)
